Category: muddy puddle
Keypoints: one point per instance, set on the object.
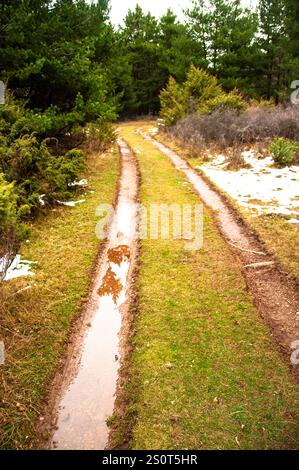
(275, 295)
(87, 395)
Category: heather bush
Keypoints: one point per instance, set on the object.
(228, 128)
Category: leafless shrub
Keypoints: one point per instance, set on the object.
(188, 132)
(235, 159)
(227, 128)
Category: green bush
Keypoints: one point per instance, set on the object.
(8, 205)
(232, 100)
(283, 151)
(12, 229)
(35, 171)
(174, 102)
(201, 86)
(35, 160)
(59, 172)
(28, 169)
(38, 165)
(16, 120)
(99, 135)
(200, 93)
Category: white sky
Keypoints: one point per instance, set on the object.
(156, 7)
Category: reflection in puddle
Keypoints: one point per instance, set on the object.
(88, 401)
(111, 285)
(114, 280)
(118, 254)
(91, 375)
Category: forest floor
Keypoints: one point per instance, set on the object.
(204, 367)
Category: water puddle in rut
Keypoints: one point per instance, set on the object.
(91, 373)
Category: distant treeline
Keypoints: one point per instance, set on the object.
(65, 56)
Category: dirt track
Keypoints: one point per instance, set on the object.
(83, 395)
(275, 295)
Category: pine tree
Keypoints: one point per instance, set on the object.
(225, 33)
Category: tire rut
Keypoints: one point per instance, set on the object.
(275, 295)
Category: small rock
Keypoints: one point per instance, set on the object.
(174, 419)
(20, 407)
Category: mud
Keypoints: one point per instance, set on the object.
(86, 395)
(276, 296)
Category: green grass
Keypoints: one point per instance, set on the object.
(228, 387)
(35, 324)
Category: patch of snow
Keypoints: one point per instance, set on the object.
(41, 199)
(261, 188)
(81, 183)
(218, 161)
(161, 122)
(153, 131)
(71, 203)
(17, 268)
